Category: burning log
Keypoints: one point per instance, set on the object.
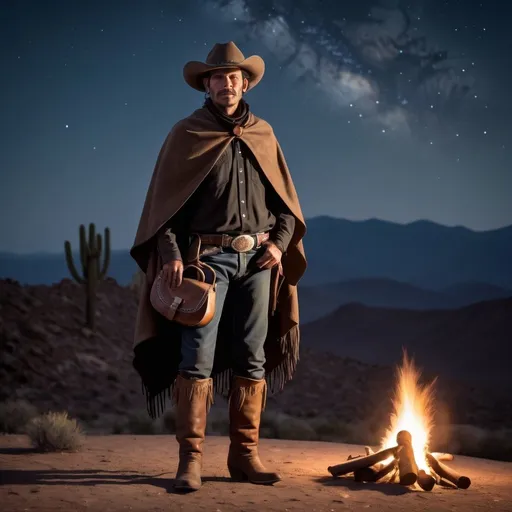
(363, 462)
(406, 463)
(442, 456)
(374, 473)
(462, 482)
(426, 481)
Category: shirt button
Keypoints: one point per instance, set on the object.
(243, 201)
(241, 182)
(241, 170)
(243, 214)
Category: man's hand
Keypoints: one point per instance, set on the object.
(173, 273)
(271, 256)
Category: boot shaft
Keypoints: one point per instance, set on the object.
(193, 399)
(247, 399)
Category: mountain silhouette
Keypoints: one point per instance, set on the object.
(473, 342)
(319, 300)
(423, 254)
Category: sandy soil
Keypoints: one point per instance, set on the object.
(127, 472)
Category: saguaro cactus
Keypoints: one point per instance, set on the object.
(90, 253)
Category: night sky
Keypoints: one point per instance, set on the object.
(390, 110)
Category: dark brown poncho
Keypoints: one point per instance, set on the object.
(189, 152)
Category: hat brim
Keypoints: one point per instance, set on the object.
(194, 71)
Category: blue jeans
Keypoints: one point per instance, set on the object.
(251, 287)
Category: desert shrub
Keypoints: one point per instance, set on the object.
(14, 416)
(55, 431)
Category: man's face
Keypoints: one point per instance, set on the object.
(226, 87)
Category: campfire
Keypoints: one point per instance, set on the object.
(404, 456)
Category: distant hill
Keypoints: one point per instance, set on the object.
(320, 300)
(49, 268)
(49, 358)
(422, 254)
(474, 342)
(467, 293)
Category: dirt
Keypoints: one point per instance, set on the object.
(136, 473)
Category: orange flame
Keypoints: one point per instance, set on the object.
(412, 411)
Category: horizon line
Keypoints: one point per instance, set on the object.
(320, 216)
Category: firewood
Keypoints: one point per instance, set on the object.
(462, 482)
(368, 450)
(442, 456)
(375, 473)
(363, 462)
(407, 466)
(435, 476)
(426, 481)
(368, 474)
(393, 477)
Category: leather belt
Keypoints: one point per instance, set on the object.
(239, 243)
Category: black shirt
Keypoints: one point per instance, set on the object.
(234, 198)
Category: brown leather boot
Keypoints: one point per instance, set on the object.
(193, 399)
(246, 401)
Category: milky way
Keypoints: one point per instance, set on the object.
(372, 57)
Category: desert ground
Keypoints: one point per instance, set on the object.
(126, 472)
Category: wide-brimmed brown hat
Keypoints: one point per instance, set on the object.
(224, 56)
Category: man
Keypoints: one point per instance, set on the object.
(221, 174)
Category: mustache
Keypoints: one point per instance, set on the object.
(227, 91)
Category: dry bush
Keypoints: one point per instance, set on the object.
(54, 431)
(14, 416)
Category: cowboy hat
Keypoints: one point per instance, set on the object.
(224, 56)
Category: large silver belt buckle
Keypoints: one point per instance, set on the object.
(242, 243)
